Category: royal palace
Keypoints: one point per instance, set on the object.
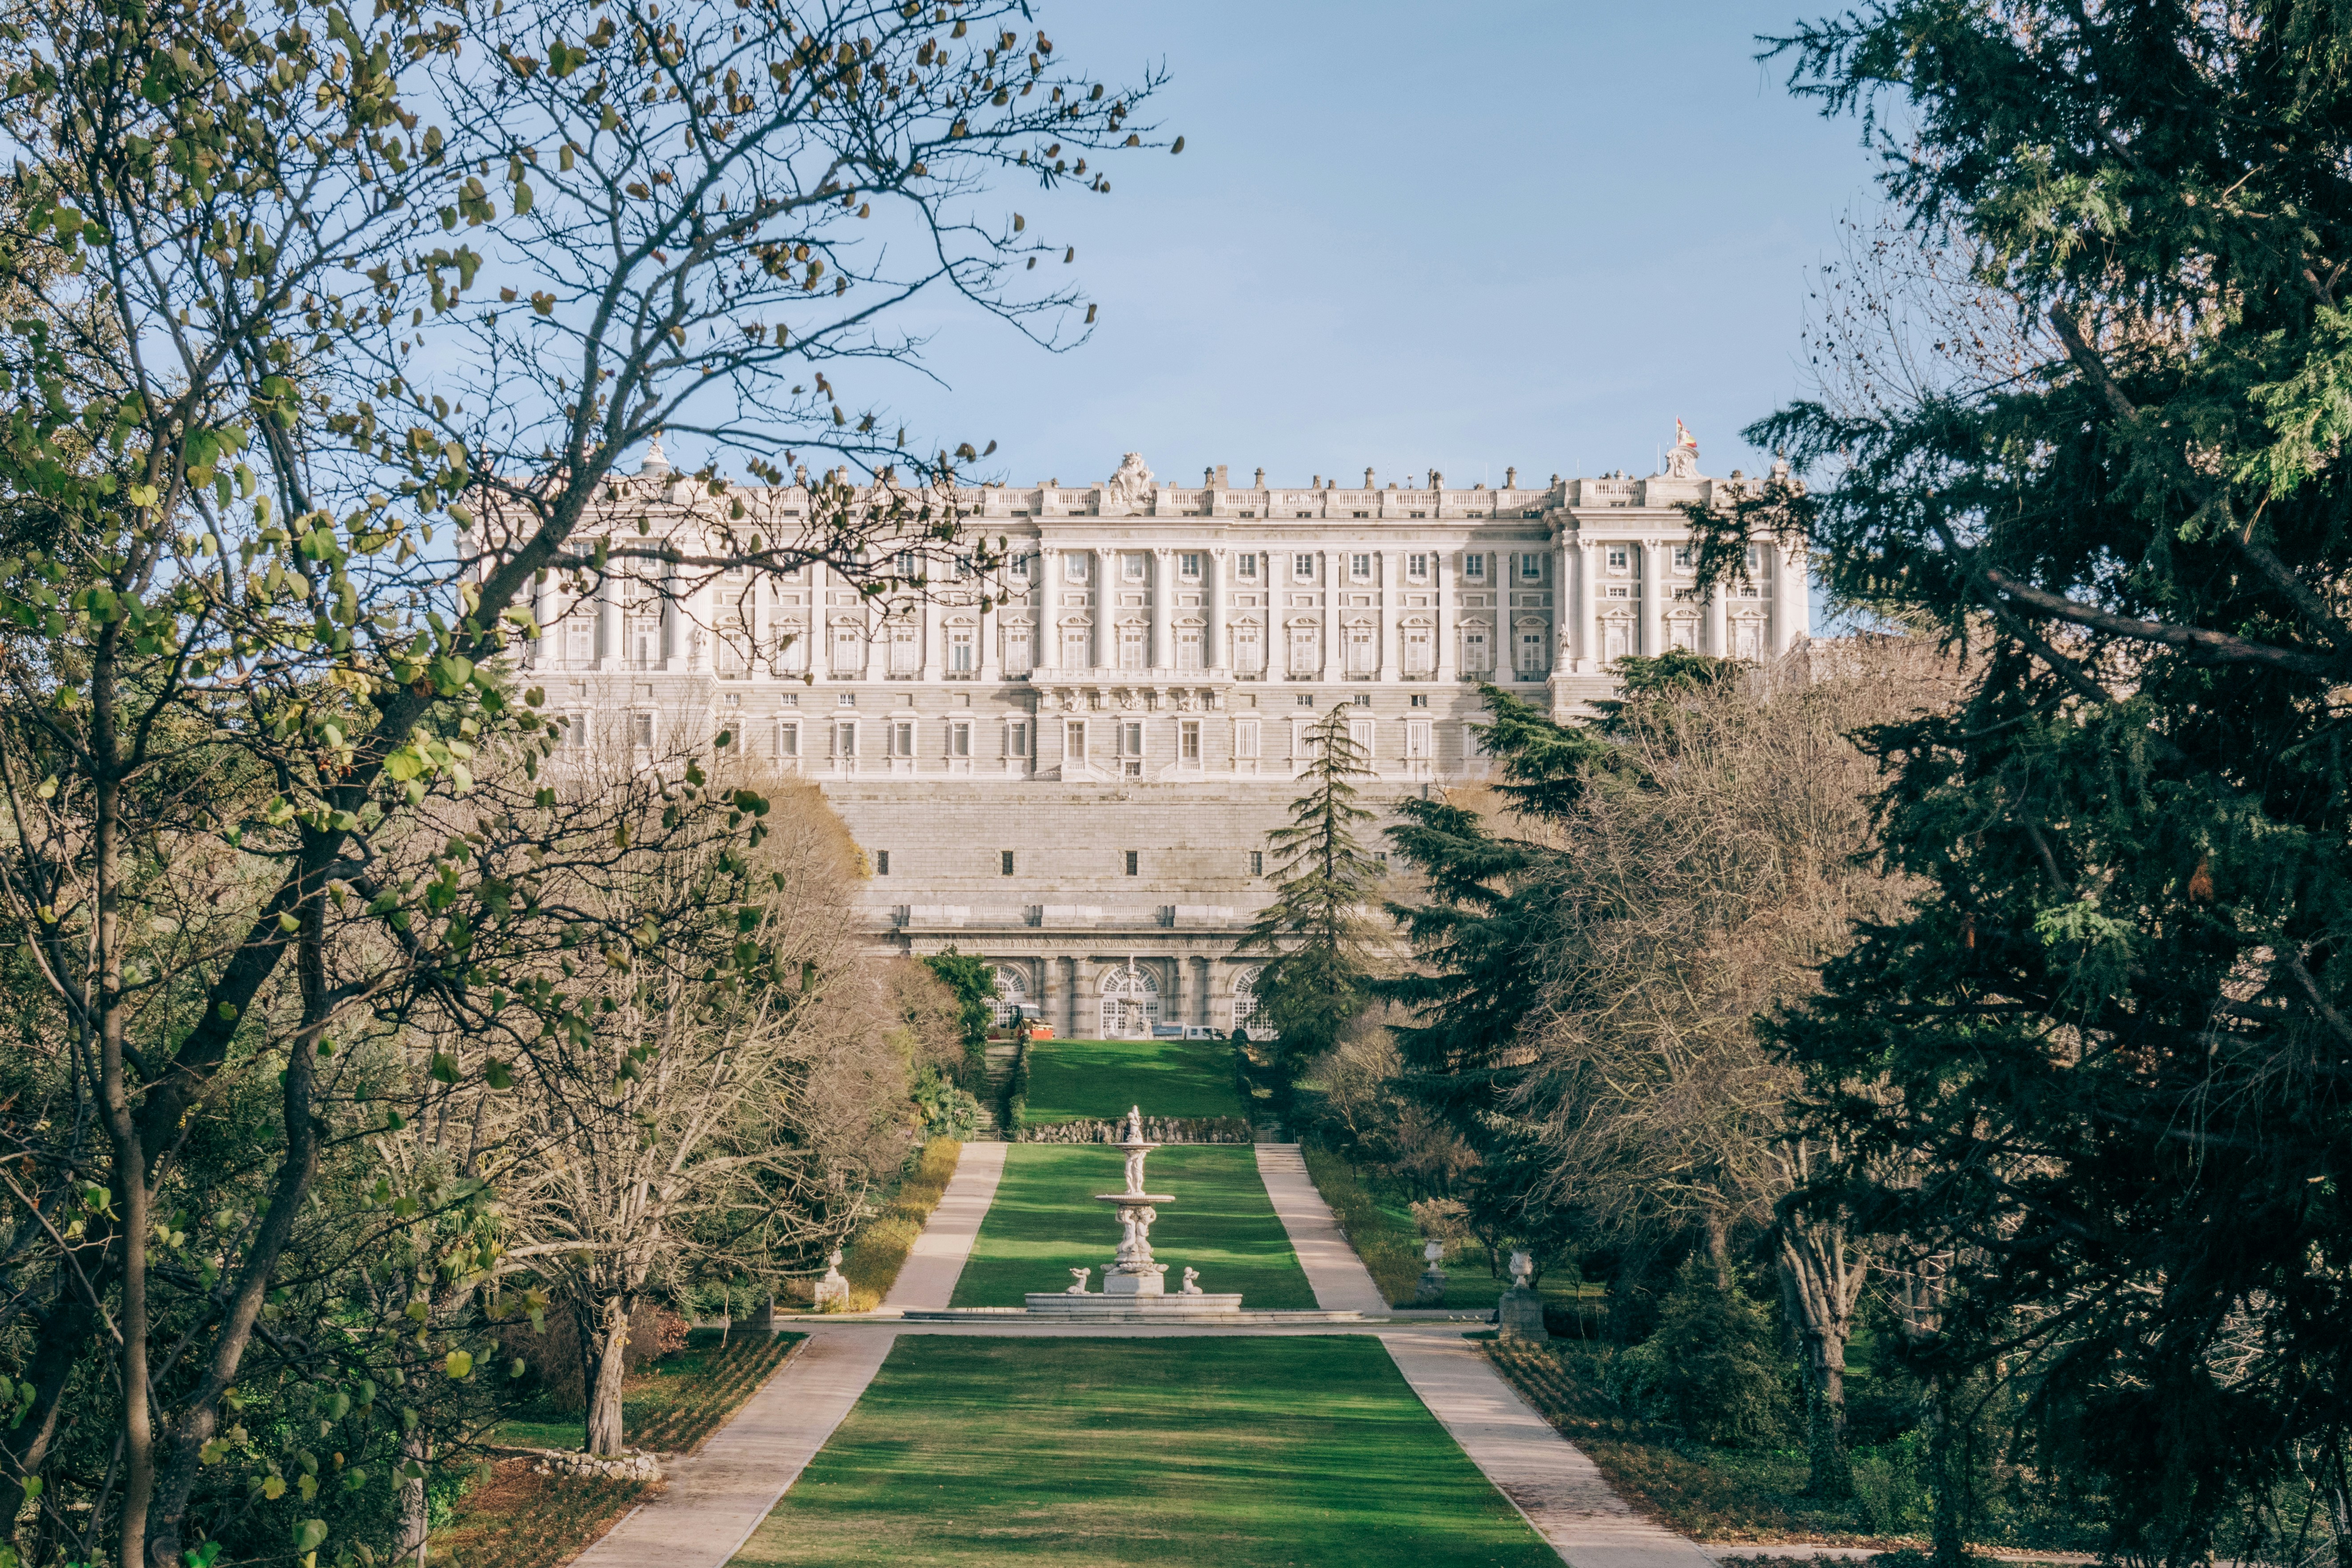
(1067, 761)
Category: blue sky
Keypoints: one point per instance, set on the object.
(1462, 234)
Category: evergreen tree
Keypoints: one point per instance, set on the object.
(974, 985)
(2104, 1064)
(1323, 939)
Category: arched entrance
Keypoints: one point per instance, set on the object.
(1012, 992)
(1130, 1003)
(1245, 998)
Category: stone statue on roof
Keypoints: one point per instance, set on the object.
(1127, 489)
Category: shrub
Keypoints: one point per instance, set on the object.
(871, 1260)
(552, 1355)
(1711, 1368)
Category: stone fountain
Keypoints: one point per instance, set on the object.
(1133, 1284)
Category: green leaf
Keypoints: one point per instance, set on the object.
(308, 1534)
(459, 1364)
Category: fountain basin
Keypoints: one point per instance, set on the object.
(1099, 1304)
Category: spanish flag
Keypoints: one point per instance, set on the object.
(1684, 438)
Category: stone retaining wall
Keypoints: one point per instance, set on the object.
(1156, 1130)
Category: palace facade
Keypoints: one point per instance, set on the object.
(1066, 760)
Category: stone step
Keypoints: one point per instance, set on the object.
(1267, 1317)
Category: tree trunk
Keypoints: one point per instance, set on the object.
(182, 1458)
(603, 1350)
(1821, 1279)
(130, 1182)
(1718, 1249)
(1948, 1496)
(416, 1521)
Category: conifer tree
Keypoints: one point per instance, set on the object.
(1321, 933)
(2102, 1065)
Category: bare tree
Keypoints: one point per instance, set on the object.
(1700, 881)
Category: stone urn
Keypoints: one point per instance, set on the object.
(1519, 1314)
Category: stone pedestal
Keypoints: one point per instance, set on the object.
(1430, 1290)
(833, 1290)
(1519, 1316)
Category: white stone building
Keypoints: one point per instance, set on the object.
(1067, 764)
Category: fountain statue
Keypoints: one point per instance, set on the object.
(1134, 1284)
(1132, 1272)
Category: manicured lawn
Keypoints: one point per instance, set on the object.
(1045, 1222)
(673, 1404)
(1071, 1080)
(1303, 1452)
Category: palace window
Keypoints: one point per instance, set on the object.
(1474, 568)
(1682, 557)
(881, 862)
(959, 641)
(1416, 568)
(1620, 558)
(1249, 651)
(1188, 742)
(1134, 860)
(1530, 566)
(1004, 862)
(1130, 566)
(902, 738)
(1133, 643)
(1016, 650)
(1359, 567)
(1188, 565)
(1073, 566)
(960, 738)
(1246, 566)
(845, 742)
(1074, 740)
(641, 732)
(1016, 738)
(1302, 568)
(1416, 741)
(1257, 862)
(788, 740)
(1245, 741)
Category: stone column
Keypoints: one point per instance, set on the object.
(1792, 603)
(986, 628)
(1588, 607)
(934, 665)
(1718, 623)
(1212, 612)
(1163, 610)
(1328, 567)
(1047, 654)
(609, 652)
(1106, 644)
(1049, 993)
(1173, 1012)
(877, 649)
(1391, 615)
(1082, 978)
(1656, 583)
(1563, 620)
(1441, 627)
(547, 651)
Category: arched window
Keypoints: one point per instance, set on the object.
(1244, 998)
(1012, 992)
(1130, 1003)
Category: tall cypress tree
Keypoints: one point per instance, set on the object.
(2107, 1068)
(1321, 931)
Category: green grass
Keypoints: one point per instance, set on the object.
(673, 1404)
(1072, 1080)
(1045, 1222)
(1379, 1227)
(1304, 1452)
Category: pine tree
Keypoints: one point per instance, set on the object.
(1324, 939)
(2103, 1064)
